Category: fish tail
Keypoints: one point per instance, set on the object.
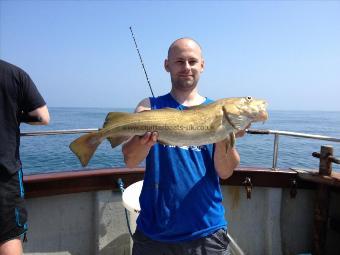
(85, 146)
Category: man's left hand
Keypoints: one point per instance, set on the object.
(242, 132)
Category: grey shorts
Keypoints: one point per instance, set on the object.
(214, 244)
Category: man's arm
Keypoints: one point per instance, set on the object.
(137, 148)
(41, 116)
(226, 158)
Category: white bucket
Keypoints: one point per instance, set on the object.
(131, 203)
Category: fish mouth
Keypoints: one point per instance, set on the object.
(262, 116)
(259, 112)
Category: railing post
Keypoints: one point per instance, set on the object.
(275, 151)
(322, 201)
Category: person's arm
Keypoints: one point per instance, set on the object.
(40, 116)
(226, 158)
(32, 104)
(137, 148)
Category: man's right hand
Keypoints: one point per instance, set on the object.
(149, 138)
(137, 148)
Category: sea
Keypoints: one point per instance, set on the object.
(46, 154)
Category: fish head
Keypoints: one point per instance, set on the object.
(241, 111)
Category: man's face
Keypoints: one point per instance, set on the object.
(185, 64)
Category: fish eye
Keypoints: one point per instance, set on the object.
(249, 98)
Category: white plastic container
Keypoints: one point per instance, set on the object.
(130, 199)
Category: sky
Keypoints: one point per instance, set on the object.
(81, 53)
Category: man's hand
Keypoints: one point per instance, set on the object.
(226, 157)
(148, 139)
(137, 148)
(242, 132)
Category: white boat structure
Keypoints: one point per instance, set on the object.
(269, 210)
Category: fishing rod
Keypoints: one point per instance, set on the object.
(141, 60)
(120, 182)
(293, 134)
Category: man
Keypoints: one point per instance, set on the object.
(181, 209)
(20, 101)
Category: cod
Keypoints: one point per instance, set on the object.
(195, 126)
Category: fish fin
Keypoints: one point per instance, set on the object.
(238, 122)
(115, 141)
(167, 109)
(232, 139)
(201, 106)
(112, 117)
(85, 146)
(159, 140)
(196, 107)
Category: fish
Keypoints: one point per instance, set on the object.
(194, 126)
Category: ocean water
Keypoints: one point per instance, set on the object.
(42, 154)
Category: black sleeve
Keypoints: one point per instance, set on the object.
(31, 98)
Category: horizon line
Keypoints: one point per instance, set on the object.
(129, 107)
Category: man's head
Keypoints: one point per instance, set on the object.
(184, 63)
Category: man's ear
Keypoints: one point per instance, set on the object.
(166, 65)
(202, 65)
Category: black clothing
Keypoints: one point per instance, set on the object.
(13, 214)
(18, 95)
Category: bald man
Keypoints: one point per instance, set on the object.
(181, 201)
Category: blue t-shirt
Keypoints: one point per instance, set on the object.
(181, 198)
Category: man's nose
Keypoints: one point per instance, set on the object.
(186, 65)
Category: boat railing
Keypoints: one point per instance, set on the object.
(59, 132)
(276, 134)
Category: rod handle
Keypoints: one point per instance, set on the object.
(257, 131)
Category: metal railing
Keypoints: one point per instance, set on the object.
(276, 134)
(59, 132)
